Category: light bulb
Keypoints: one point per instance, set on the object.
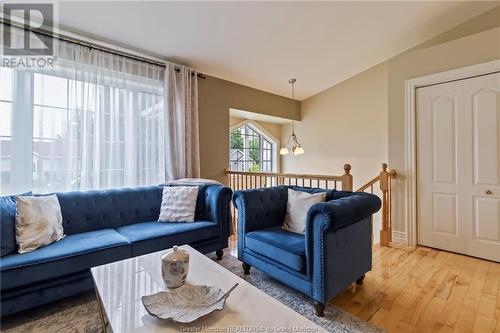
(299, 150)
(284, 151)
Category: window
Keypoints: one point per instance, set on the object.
(251, 150)
(6, 76)
(72, 129)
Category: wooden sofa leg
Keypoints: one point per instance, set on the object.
(360, 280)
(219, 254)
(246, 268)
(320, 309)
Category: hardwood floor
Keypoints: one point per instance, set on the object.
(425, 290)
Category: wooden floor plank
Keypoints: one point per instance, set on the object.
(425, 290)
(428, 290)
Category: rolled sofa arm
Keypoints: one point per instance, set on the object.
(217, 200)
(338, 242)
(343, 211)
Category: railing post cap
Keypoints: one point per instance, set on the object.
(347, 168)
(384, 166)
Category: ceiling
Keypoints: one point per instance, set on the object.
(263, 44)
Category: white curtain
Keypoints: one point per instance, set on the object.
(96, 120)
(116, 139)
(181, 118)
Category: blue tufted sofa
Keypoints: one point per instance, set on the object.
(102, 227)
(335, 251)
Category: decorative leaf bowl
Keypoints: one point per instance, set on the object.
(186, 303)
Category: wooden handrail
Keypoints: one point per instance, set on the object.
(369, 184)
(247, 178)
(286, 175)
(385, 180)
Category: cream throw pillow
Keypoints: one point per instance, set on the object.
(38, 222)
(178, 204)
(297, 207)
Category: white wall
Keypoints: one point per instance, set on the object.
(346, 123)
(361, 121)
(466, 51)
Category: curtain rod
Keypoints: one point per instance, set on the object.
(91, 45)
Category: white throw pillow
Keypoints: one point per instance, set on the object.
(178, 204)
(297, 207)
(38, 222)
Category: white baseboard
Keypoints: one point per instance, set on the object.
(399, 237)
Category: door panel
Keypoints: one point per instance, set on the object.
(458, 166)
(486, 216)
(482, 154)
(444, 213)
(440, 175)
(444, 162)
(485, 136)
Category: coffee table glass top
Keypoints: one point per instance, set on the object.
(121, 284)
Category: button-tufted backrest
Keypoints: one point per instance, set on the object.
(330, 194)
(93, 210)
(261, 208)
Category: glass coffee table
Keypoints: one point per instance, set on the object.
(120, 286)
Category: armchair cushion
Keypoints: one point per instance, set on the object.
(298, 204)
(279, 245)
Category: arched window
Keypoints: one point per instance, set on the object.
(250, 149)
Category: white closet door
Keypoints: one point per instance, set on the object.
(458, 128)
(482, 153)
(441, 174)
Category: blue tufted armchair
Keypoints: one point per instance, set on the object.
(335, 251)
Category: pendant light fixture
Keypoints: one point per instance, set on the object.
(292, 145)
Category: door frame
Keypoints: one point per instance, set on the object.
(411, 139)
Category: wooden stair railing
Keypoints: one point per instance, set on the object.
(385, 182)
(240, 180)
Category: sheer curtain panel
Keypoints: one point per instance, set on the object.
(96, 120)
(181, 118)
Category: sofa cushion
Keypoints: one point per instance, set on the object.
(8, 224)
(298, 204)
(178, 204)
(71, 254)
(200, 200)
(38, 222)
(282, 246)
(155, 236)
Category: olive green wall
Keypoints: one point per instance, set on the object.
(215, 98)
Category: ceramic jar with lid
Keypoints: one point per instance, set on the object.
(175, 267)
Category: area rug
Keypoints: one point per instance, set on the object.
(79, 313)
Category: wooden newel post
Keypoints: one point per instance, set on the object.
(385, 233)
(347, 178)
